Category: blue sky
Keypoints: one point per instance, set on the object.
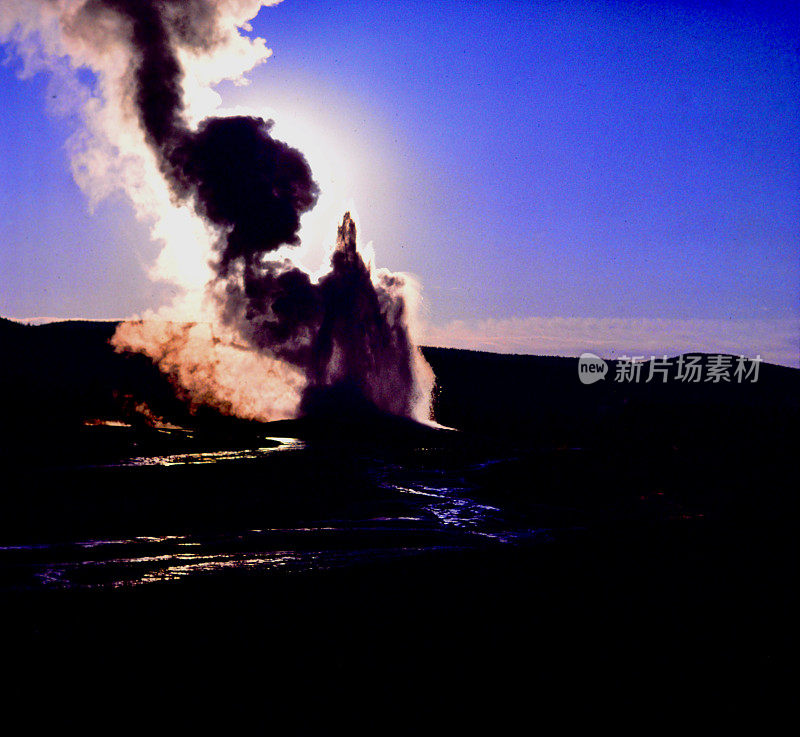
(633, 161)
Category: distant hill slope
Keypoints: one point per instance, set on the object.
(66, 372)
(60, 375)
(542, 399)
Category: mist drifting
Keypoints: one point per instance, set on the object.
(264, 340)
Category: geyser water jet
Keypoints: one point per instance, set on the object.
(266, 340)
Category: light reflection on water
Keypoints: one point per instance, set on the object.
(437, 510)
(449, 498)
(215, 456)
(134, 571)
(159, 559)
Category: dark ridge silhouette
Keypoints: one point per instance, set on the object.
(64, 374)
(540, 398)
(660, 573)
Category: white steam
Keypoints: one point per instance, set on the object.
(189, 339)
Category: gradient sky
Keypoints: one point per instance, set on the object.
(638, 162)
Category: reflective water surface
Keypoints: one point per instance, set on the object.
(409, 508)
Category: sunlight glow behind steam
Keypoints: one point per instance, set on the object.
(229, 196)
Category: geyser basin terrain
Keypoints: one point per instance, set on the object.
(602, 543)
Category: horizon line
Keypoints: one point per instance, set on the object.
(609, 338)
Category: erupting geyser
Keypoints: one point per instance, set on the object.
(272, 341)
(347, 332)
(362, 344)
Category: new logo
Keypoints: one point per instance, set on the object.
(591, 368)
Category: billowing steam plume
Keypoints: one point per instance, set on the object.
(273, 340)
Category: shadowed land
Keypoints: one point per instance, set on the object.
(60, 376)
(570, 551)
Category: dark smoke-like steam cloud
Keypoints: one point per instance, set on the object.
(252, 187)
(347, 332)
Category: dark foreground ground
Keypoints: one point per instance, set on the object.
(595, 557)
(662, 624)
